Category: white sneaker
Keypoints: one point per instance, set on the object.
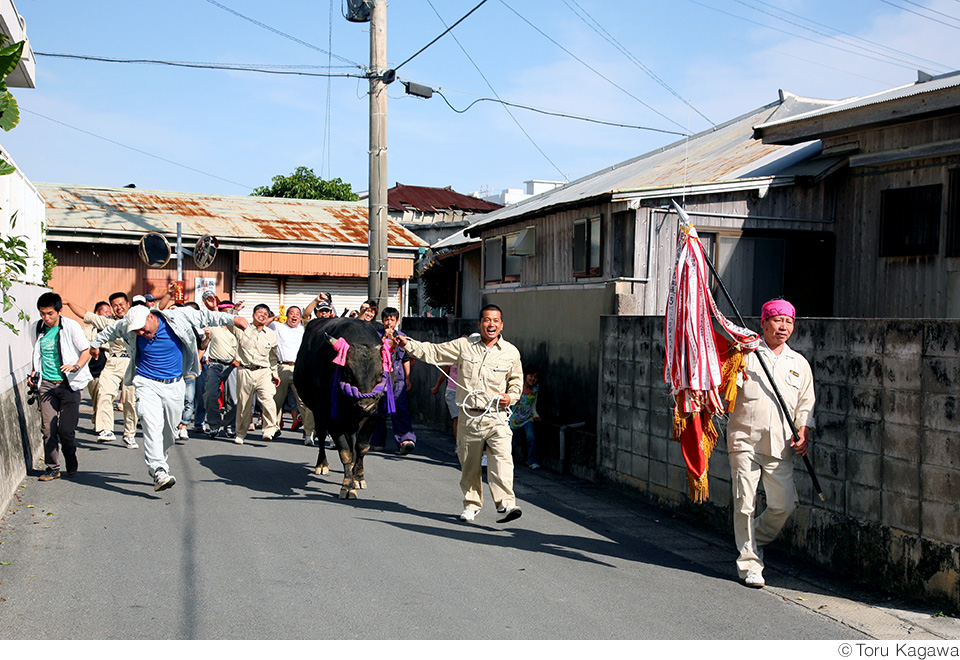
(508, 513)
(309, 441)
(182, 434)
(754, 580)
(106, 436)
(129, 442)
(162, 480)
(238, 440)
(468, 515)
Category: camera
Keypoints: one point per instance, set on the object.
(32, 391)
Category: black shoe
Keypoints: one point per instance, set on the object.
(406, 447)
(49, 475)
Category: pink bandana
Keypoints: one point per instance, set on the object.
(777, 308)
(341, 347)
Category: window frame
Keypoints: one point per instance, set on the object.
(592, 261)
(909, 223)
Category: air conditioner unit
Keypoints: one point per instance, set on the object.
(525, 244)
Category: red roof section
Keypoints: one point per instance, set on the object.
(430, 200)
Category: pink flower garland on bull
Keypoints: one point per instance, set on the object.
(341, 372)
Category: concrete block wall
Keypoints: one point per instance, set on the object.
(886, 450)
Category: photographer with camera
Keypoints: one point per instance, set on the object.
(60, 372)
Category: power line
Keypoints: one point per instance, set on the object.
(273, 69)
(515, 120)
(463, 18)
(750, 43)
(932, 11)
(554, 42)
(139, 151)
(283, 34)
(915, 58)
(887, 57)
(599, 29)
(885, 60)
(916, 13)
(556, 113)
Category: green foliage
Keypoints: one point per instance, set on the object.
(49, 263)
(13, 249)
(13, 257)
(9, 110)
(304, 184)
(439, 282)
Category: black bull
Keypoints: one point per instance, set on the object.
(349, 421)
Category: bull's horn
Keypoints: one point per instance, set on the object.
(330, 339)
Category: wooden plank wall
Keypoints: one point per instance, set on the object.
(868, 285)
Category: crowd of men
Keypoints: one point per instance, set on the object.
(176, 366)
(172, 368)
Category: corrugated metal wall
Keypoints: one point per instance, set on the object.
(87, 273)
(277, 291)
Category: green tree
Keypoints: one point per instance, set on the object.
(439, 281)
(304, 184)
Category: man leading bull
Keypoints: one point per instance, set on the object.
(759, 442)
(490, 379)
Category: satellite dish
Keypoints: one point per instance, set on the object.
(154, 250)
(205, 251)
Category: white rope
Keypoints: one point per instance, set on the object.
(491, 407)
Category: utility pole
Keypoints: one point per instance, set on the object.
(378, 284)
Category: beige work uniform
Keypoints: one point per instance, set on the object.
(93, 386)
(257, 354)
(758, 441)
(490, 372)
(111, 382)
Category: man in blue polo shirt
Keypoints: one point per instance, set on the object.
(163, 349)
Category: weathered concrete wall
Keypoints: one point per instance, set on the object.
(886, 451)
(580, 453)
(21, 447)
(558, 330)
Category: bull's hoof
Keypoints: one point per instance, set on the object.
(361, 483)
(347, 494)
(322, 469)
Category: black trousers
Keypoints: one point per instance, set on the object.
(59, 414)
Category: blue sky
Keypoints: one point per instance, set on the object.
(226, 131)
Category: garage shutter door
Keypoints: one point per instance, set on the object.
(256, 289)
(347, 292)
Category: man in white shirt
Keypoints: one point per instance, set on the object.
(60, 355)
(759, 441)
(289, 338)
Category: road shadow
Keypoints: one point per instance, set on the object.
(257, 473)
(114, 482)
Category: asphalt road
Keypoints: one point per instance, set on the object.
(250, 544)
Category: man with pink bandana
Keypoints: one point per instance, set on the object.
(759, 439)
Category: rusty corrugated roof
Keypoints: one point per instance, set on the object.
(431, 200)
(91, 209)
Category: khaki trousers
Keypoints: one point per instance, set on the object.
(111, 383)
(747, 468)
(491, 431)
(259, 382)
(92, 388)
(286, 382)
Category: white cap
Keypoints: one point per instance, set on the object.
(137, 317)
(139, 299)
